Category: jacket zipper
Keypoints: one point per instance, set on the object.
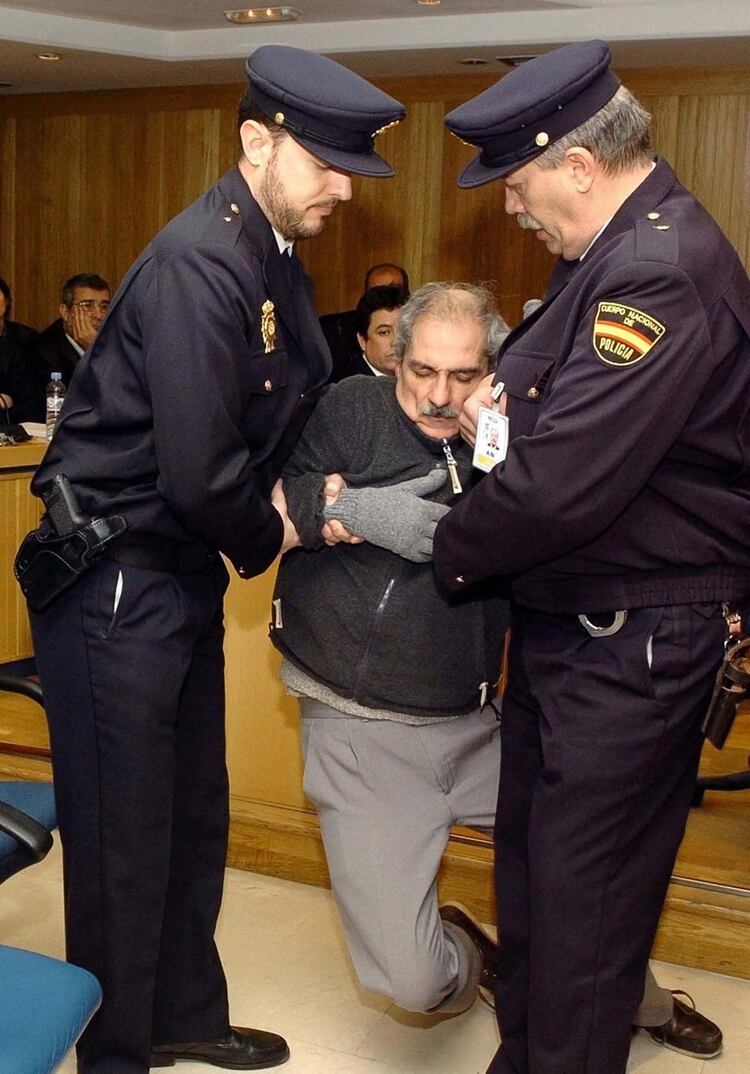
(364, 663)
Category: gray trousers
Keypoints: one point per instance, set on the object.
(387, 796)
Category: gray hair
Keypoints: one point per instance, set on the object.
(618, 136)
(452, 302)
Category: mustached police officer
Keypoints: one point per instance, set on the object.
(179, 421)
(620, 514)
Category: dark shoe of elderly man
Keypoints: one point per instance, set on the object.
(457, 916)
(688, 1031)
(241, 1049)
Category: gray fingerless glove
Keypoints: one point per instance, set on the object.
(394, 517)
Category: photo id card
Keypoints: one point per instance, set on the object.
(491, 444)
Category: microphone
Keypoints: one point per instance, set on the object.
(530, 306)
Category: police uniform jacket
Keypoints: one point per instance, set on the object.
(184, 409)
(627, 480)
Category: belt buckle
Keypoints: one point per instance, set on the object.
(603, 631)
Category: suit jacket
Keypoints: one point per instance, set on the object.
(52, 352)
(187, 404)
(17, 371)
(55, 351)
(341, 336)
(356, 366)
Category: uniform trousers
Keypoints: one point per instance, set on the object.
(131, 665)
(387, 795)
(601, 741)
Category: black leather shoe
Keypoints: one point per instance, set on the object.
(486, 946)
(241, 1049)
(688, 1031)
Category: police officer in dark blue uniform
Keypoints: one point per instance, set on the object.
(180, 418)
(620, 517)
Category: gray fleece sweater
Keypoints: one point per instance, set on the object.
(364, 622)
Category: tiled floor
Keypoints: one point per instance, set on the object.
(288, 971)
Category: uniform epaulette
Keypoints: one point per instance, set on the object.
(656, 239)
(225, 225)
(228, 225)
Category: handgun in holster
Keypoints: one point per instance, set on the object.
(63, 548)
(732, 684)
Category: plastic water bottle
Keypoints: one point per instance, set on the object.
(55, 396)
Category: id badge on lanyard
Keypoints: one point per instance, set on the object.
(491, 445)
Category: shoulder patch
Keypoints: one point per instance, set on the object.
(624, 335)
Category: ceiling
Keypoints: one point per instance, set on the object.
(108, 44)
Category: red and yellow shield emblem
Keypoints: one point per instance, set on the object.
(624, 335)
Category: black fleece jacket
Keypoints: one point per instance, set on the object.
(368, 624)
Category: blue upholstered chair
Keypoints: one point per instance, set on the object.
(45, 1004)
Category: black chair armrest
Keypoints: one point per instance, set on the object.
(14, 684)
(32, 836)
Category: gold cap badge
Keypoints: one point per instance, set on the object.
(279, 118)
(542, 138)
(268, 325)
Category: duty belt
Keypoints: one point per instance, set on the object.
(154, 553)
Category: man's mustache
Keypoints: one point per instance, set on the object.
(526, 221)
(427, 410)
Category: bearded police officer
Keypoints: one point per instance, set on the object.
(177, 425)
(620, 516)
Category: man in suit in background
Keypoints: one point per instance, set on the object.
(375, 321)
(178, 420)
(84, 302)
(340, 329)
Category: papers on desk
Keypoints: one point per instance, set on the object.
(35, 428)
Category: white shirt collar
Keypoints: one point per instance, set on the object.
(601, 229)
(285, 245)
(74, 344)
(377, 372)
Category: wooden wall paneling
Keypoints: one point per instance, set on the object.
(8, 212)
(189, 158)
(229, 141)
(107, 182)
(470, 246)
(118, 165)
(737, 171)
(665, 131)
(742, 167)
(49, 208)
(20, 512)
(263, 751)
(418, 161)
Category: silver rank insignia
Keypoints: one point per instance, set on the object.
(268, 325)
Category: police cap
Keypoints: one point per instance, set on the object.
(531, 107)
(325, 107)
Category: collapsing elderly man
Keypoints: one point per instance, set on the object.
(179, 420)
(620, 516)
(392, 674)
(393, 678)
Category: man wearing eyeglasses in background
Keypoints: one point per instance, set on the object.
(83, 303)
